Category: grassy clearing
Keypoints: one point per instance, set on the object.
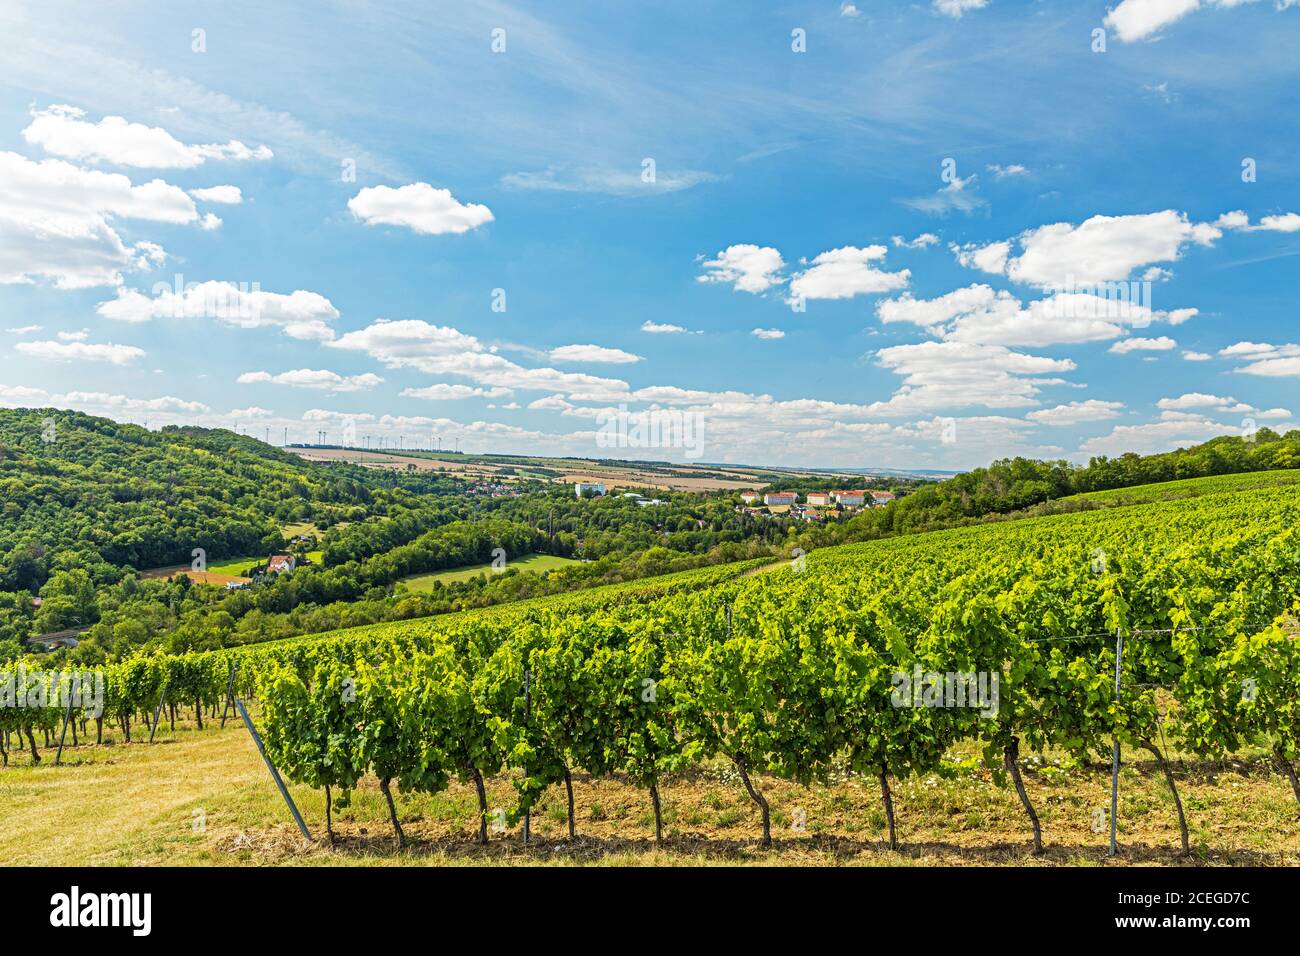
(531, 562)
(139, 804)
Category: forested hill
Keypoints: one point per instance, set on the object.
(1017, 487)
(91, 493)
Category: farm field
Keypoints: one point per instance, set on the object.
(531, 562)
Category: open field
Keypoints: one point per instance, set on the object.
(664, 476)
(529, 562)
(197, 577)
(139, 804)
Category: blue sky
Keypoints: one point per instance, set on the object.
(889, 247)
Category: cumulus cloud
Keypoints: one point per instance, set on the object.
(1161, 344)
(1134, 20)
(846, 272)
(941, 375)
(987, 258)
(77, 351)
(592, 353)
(63, 131)
(1265, 360)
(920, 242)
(59, 222)
(981, 315)
(319, 379)
(1002, 172)
(301, 314)
(767, 333)
(1197, 356)
(956, 8)
(665, 328)
(443, 392)
(1238, 220)
(441, 350)
(1100, 249)
(745, 266)
(227, 195)
(419, 207)
(1076, 413)
(1155, 437)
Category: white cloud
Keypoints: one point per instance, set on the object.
(592, 353)
(62, 131)
(1002, 172)
(441, 350)
(1156, 437)
(25, 329)
(980, 315)
(58, 222)
(320, 379)
(988, 258)
(252, 412)
(953, 196)
(848, 9)
(443, 392)
(749, 268)
(1197, 356)
(1075, 413)
(665, 328)
(940, 375)
(1161, 344)
(1238, 220)
(419, 207)
(1287, 222)
(1265, 360)
(227, 195)
(81, 351)
(302, 314)
(74, 336)
(767, 333)
(955, 8)
(1134, 20)
(1101, 249)
(844, 273)
(920, 242)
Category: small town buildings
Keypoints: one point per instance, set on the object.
(589, 488)
(820, 498)
(849, 498)
(281, 562)
(881, 498)
(780, 498)
(749, 497)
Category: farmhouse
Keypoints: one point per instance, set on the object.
(281, 562)
(780, 498)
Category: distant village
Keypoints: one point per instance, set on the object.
(816, 506)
